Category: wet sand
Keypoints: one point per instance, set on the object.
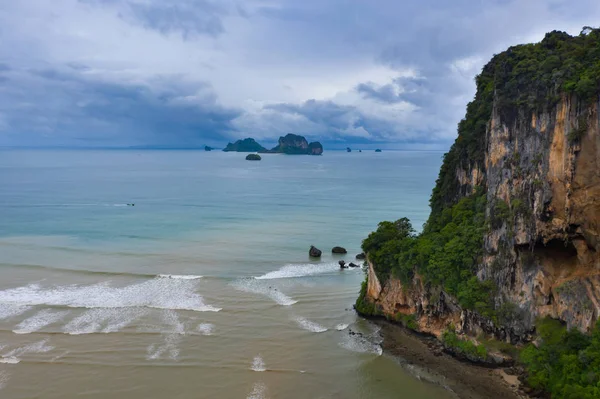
(466, 381)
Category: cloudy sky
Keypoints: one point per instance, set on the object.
(386, 73)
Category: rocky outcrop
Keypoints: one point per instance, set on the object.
(245, 145)
(314, 252)
(253, 157)
(539, 170)
(207, 148)
(361, 256)
(339, 250)
(294, 144)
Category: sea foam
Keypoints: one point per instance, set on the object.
(8, 310)
(258, 364)
(13, 357)
(301, 270)
(257, 287)
(170, 346)
(105, 320)
(259, 391)
(41, 319)
(309, 325)
(161, 293)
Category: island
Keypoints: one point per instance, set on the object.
(245, 145)
(295, 144)
(292, 144)
(207, 148)
(253, 157)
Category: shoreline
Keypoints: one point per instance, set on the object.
(465, 380)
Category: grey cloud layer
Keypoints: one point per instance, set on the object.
(186, 73)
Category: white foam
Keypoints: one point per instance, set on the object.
(180, 276)
(258, 287)
(309, 325)
(170, 344)
(206, 328)
(258, 364)
(105, 320)
(341, 327)
(3, 378)
(356, 343)
(161, 293)
(13, 357)
(41, 319)
(301, 270)
(8, 310)
(259, 391)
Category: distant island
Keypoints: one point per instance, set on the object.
(245, 145)
(207, 148)
(291, 144)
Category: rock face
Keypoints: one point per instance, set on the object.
(314, 252)
(253, 157)
(245, 145)
(294, 144)
(541, 167)
(338, 250)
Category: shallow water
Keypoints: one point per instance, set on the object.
(204, 288)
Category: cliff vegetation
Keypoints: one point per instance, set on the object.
(510, 249)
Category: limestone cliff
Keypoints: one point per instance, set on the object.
(536, 158)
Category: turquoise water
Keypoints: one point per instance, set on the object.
(205, 282)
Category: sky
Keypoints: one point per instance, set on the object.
(188, 73)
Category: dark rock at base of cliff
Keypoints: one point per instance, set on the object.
(378, 150)
(245, 145)
(294, 144)
(253, 157)
(338, 250)
(207, 148)
(361, 256)
(342, 264)
(314, 252)
(351, 264)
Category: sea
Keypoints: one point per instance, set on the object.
(185, 274)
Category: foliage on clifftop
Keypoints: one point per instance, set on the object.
(522, 79)
(446, 253)
(565, 364)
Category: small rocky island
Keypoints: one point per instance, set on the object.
(291, 144)
(207, 148)
(253, 157)
(245, 145)
(294, 144)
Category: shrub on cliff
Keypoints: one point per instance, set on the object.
(566, 363)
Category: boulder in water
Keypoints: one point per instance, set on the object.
(361, 256)
(342, 264)
(339, 250)
(253, 157)
(351, 264)
(314, 252)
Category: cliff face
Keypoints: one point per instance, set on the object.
(540, 172)
(544, 257)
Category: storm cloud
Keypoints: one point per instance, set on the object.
(194, 72)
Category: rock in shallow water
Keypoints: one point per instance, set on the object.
(339, 250)
(361, 256)
(342, 264)
(253, 157)
(314, 252)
